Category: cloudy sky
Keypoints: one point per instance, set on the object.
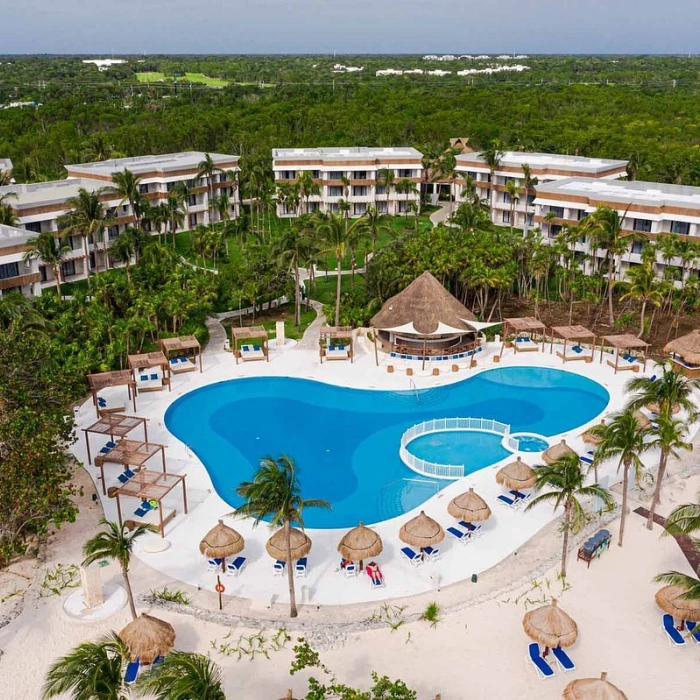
(347, 26)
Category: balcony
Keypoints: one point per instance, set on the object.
(20, 280)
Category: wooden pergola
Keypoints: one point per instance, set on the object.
(129, 453)
(114, 425)
(184, 345)
(624, 341)
(104, 380)
(524, 326)
(328, 349)
(148, 360)
(148, 485)
(567, 333)
(260, 352)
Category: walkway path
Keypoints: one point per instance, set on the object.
(309, 340)
(440, 216)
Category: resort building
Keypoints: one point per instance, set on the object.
(649, 209)
(385, 178)
(15, 274)
(545, 167)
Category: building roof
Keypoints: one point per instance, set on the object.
(163, 163)
(340, 154)
(424, 308)
(624, 192)
(37, 194)
(11, 236)
(542, 162)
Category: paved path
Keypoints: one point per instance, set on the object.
(217, 336)
(309, 340)
(440, 216)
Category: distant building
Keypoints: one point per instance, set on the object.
(349, 174)
(16, 275)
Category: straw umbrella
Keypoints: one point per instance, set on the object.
(148, 637)
(591, 438)
(593, 689)
(687, 347)
(551, 626)
(276, 546)
(670, 599)
(421, 531)
(469, 507)
(642, 420)
(360, 543)
(517, 475)
(220, 542)
(555, 452)
(654, 408)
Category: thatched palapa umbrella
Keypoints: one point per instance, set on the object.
(591, 438)
(555, 452)
(360, 543)
(421, 531)
(687, 347)
(470, 507)
(551, 626)
(517, 475)
(670, 599)
(276, 546)
(642, 420)
(220, 542)
(654, 408)
(148, 637)
(593, 689)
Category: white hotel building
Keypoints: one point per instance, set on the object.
(546, 167)
(38, 207)
(361, 167)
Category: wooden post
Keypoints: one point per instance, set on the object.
(119, 510)
(376, 354)
(199, 352)
(145, 430)
(102, 476)
(162, 452)
(218, 585)
(424, 348)
(87, 442)
(184, 494)
(551, 344)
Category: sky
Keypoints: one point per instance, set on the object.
(348, 26)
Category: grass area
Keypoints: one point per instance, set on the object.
(151, 77)
(269, 319)
(323, 289)
(157, 77)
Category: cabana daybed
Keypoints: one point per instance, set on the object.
(523, 330)
(114, 425)
(250, 350)
(106, 380)
(151, 371)
(336, 343)
(129, 453)
(626, 342)
(182, 347)
(574, 351)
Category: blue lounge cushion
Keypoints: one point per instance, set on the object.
(132, 671)
(506, 500)
(143, 377)
(673, 634)
(105, 450)
(256, 348)
(216, 561)
(237, 564)
(101, 402)
(694, 629)
(341, 347)
(111, 444)
(467, 526)
(183, 358)
(129, 473)
(123, 478)
(174, 360)
(431, 551)
(158, 661)
(542, 666)
(456, 533)
(301, 563)
(140, 512)
(563, 658)
(409, 553)
(279, 564)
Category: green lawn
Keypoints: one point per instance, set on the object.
(323, 289)
(285, 313)
(151, 77)
(156, 76)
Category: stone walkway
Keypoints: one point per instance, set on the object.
(441, 215)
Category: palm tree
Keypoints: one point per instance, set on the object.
(668, 390)
(529, 184)
(624, 439)
(306, 187)
(91, 671)
(374, 224)
(51, 250)
(7, 213)
(126, 185)
(385, 177)
(645, 287)
(492, 156)
(275, 495)
(407, 186)
(562, 483)
(513, 192)
(123, 250)
(183, 676)
(176, 212)
(471, 216)
(116, 543)
(447, 168)
(207, 169)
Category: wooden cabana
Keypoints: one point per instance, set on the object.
(105, 380)
(575, 333)
(626, 342)
(685, 354)
(523, 329)
(247, 350)
(114, 425)
(151, 487)
(129, 453)
(182, 347)
(148, 381)
(333, 350)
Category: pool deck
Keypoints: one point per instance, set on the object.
(503, 533)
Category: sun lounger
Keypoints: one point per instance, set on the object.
(461, 537)
(376, 579)
(675, 638)
(125, 476)
(300, 567)
(252, 352)
(149, 382)
(214, 564)
(504, 500)
(278, 567)
(236, 566)
(544, 670)
(153, 516)
(694, 630)
(108, 405)
(350, 571)
(178, 365)
(565, 663)
(132, 672)
(412, 556)
(587, 458)
(433, 553)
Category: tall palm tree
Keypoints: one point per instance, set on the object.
(91, 671)
(529, 183)
(183, 676)
(407, 186)
(374, 224)
(624, 439)
(669, 389)
(563, 484)
(447, 169)
(275, 495)
(306, 188)
(51, 250)
(513, 191)
(126, 186)
(207, 169)
(123, 250)
(176, 211)
(115, 543)
(645, 287)
(385, 177)
(492, 156)
(471, 216)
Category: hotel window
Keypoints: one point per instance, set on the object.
(315, 174)
(681, 227)
(113, 232)
(68, 269)
(359, 191)
(506, 198)
(382, 207)
(557, 211)
(335, 191)
(360, 175)
(147, 226)
(288, 174)
(193, 220)
(192, 183)
(9, 270)
(33, 226)
(529, 219)
(311, 207)
(554, 230)
(381, 189)
(335, 174)
(637, 247)
(472, 174)
(405, 173)
(506, 217)
(334, 207)
(581, 214)
(191, 200)
(143, 189)
(285, 208)
(403, 207)
(169, 186)
(42, 273)
(530, 200)
(359, 208)
(643, 225)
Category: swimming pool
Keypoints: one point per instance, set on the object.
(346, 441)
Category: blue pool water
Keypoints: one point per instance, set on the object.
(475, 450)
(531, 443)
(346, 441)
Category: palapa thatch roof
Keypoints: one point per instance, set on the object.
(276, 546)
(670, 600)
(421, 531)
(654, 408)
(555, 452)
(591, 438)
(221, 541)
(516, 475)
(360, 543)
(550, 625)
(425, 307)
(593, 689)
(470, 507)
(148, 637)
(687, 346)
(643, 421)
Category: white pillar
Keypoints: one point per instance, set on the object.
(91, 580)
(279, 333)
